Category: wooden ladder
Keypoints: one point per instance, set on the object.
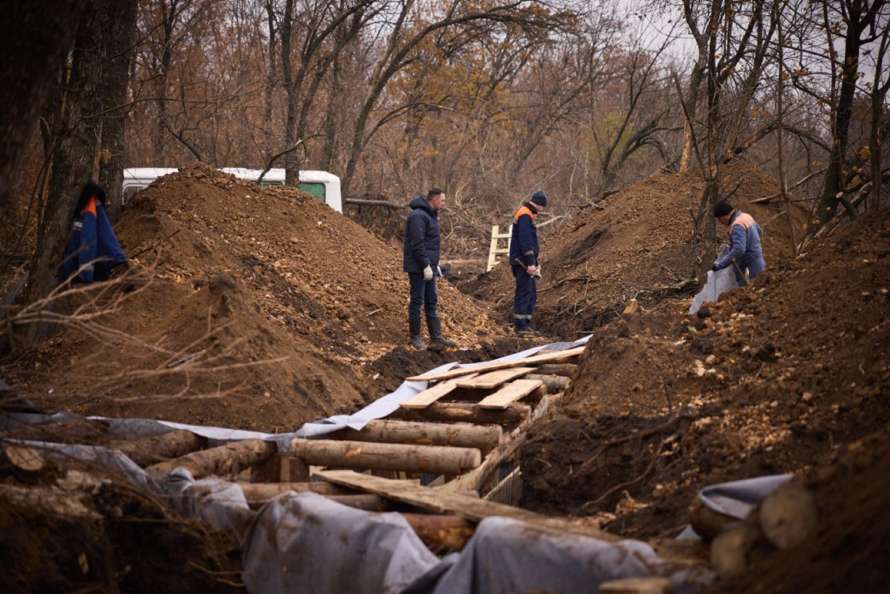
(494, 251)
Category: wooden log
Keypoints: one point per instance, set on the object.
(706, 522)
(266, 491)
(280, 468)
(788, 515)
(49, 501)
(510, 393)
(464, 435)
(493, 379)
(479, 477)
(228, 459)
(441, 532)
(540, 359)
(552, 383)
(467, 506)
(364, 501)
(564, 369)
(386, 456)
(468, 412)
(731, 550)
(642, 585)
(23, 457)
(157, 448)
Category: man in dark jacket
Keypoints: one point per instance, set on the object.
(93, 249)
(524, 252)
(421, 262)
(745, 250)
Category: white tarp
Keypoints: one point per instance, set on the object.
(718, 283)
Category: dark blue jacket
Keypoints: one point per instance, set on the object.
(421, 248)
(92, 247)
(745, 245)
(524, 248)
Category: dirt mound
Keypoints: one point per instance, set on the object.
(64, 530)
(266, 309)
(771, 379)
(850, 549)
(639, 243)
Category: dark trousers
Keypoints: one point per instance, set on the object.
(525, 298)
(423, 294)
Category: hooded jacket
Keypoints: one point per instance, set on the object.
(421, 247)
(92, 246)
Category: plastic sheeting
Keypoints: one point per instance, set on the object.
(385, 406)
(303, 542)
(506, 556)
(718, 283)
(738, 498)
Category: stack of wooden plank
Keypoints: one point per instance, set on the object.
(461, 426)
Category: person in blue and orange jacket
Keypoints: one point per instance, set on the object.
(745, 242)
(93, 249)
(524, 260)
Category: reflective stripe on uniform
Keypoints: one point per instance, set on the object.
(522, 317)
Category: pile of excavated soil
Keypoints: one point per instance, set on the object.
(266, 309)
(65, 530)
(637, 244)
(851, 545)
(773, 378)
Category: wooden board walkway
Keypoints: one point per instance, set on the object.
(554, 357)
(430, 395)
(510, 393)
(493, 379)
(466, 506)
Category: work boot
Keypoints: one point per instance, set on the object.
(414, 328)
(437, 341)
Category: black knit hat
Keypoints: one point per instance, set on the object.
(539, 198)
(722, 208)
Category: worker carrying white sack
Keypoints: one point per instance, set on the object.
(745, 248)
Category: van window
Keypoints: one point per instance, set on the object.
(314, 188)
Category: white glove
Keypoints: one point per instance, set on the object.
(427, 273)
(439, 271)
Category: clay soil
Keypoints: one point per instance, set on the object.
(636, 244)
(265, 309)
(101, 535)
(774, 378)
(851, 545)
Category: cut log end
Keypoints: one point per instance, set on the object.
(731, 550)
(788, 516)
(23, 457)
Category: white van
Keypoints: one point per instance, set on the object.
(321, 184)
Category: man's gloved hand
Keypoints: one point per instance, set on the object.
(439, 271)
(714, 266)
(428, 273)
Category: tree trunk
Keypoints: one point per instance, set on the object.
(120, 23)
(269, 91)
(835, 176)
(333, 112)
(691, 108)
(79, 127)
(35, 39)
